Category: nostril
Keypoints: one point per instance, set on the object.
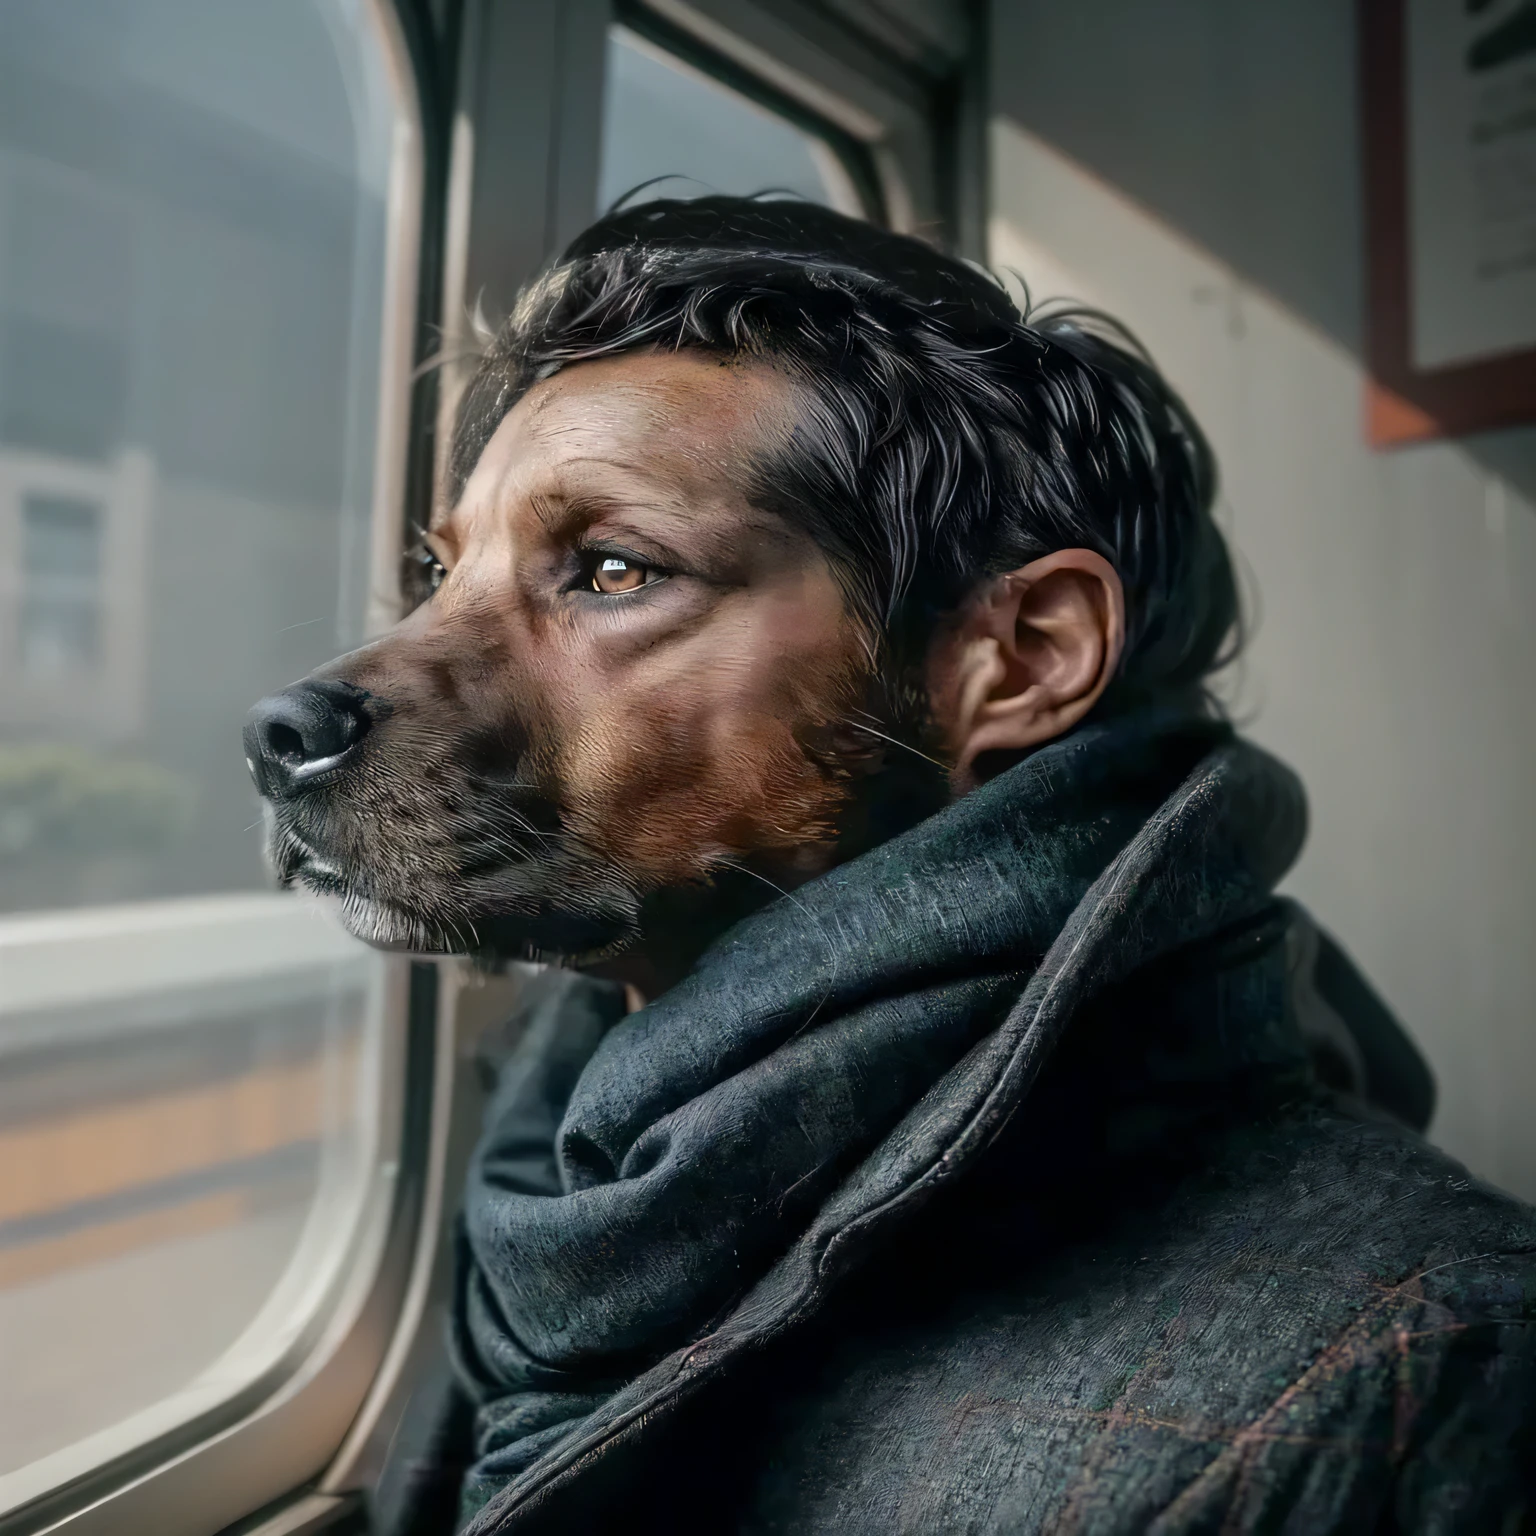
(284, 742)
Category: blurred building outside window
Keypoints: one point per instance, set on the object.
(194, 250)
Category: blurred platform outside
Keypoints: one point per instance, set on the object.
(172, 1076)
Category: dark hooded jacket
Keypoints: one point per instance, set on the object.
(1039, 1171)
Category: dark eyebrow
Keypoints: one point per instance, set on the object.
(558, 510)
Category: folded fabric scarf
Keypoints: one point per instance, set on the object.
(653, 1190)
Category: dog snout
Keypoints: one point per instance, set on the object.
(300, 738)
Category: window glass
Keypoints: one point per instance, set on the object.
(662, 118)
(194, 242)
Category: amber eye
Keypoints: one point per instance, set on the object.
(614, 573)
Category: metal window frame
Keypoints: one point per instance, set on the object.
(279, 1432)
(522, 180)
(852, 151)
(925, 136)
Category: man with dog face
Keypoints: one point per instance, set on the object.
(812, 648)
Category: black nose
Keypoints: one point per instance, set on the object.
(298, 738)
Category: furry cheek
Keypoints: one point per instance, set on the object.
(672, 794)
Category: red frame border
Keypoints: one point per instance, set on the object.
(1404, 404)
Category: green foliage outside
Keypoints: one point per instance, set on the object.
(62, 800)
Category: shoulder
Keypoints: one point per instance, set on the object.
(1398, 1343)
(1349, 1193)
(1330, 1310)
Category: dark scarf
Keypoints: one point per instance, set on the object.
(656, 1192)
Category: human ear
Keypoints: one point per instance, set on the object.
(1026, 657)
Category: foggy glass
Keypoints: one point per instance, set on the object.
(662, 118)
(192, 251)
(191, 248)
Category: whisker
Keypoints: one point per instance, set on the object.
(907, 746)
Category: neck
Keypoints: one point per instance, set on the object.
(677, 925)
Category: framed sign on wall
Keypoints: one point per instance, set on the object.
(1449, 102)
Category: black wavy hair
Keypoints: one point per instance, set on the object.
(945, 435)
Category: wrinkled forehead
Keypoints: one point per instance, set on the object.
(677, 427)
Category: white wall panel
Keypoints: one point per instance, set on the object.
(1394, 657)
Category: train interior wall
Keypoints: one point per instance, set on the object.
(1193, 167)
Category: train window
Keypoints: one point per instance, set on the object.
(206, 207)
(671, 130)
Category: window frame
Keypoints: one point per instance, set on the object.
(548, 60)
(853, 153)
(925, 135)
(279, 1431)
